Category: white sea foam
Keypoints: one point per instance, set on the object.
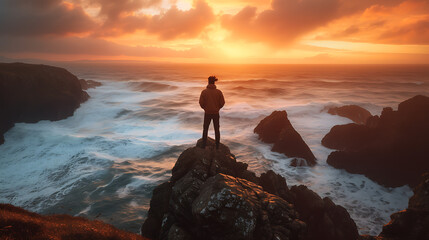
(107, 158)
(42, 162)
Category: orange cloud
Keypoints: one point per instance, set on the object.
(169, 25)
(412, 33)
(405, 23)
(251, 29)
(176, 23)
(286, 21)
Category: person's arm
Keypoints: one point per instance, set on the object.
(222, 99)
(202, 100)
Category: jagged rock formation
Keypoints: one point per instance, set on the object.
(276, 128)
(17, 223)
(413, 222)
(86, 84)
(30, 93)
(392, 149)
(212, 196)
(356, 113)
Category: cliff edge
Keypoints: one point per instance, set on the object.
(30, 93)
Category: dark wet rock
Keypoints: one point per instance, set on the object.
(298, 162)
(349, 137)
(275, 184)
(210, 199)
(413, 222)
(372, 122)
(277, 129)
(407, 224)
(86, 84)
(177, 233)
(356, 113)
(391, 149)
(30, 93)
(325, 220)
(17, 223)
(367, 237)
(420, 199)
(158, 207)
(233, 208)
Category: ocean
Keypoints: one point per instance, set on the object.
(104, 161)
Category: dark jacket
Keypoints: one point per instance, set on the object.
(211, 99)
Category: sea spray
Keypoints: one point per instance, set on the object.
(105, 160)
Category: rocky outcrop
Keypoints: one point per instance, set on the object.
(391, 149)
(212, 196)
(325, 220)
(86, 84)
(356, 113)
(277, 129)
(30, 93)
(17, 223)
(413, 222)
(348, 137)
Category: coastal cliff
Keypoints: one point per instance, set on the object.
(392, 149)
(30, 93)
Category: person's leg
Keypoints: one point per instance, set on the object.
(205, 128)
(216, 128)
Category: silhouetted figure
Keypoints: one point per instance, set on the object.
(211, 100)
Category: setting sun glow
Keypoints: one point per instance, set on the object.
(241, 31)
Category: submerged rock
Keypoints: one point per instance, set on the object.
(212, 196)
(30, 93)
(392, 149)
(276, 128)
(86, 84)
(17, 223)
(356, 113)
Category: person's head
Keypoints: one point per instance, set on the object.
(212, 79)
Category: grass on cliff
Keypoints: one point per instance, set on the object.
(17, 223)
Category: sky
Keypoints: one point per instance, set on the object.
(221, 31)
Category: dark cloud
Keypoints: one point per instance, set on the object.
(115, 9)
(54, 17)
(87, 46)
(47, 17)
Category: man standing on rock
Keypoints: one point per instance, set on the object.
(211, 100)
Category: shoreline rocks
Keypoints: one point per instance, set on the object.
(212, 196)
(276, 128)
(30, 93)
(86, 84)
(391, 149)
(355, 113)
(413, 222)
